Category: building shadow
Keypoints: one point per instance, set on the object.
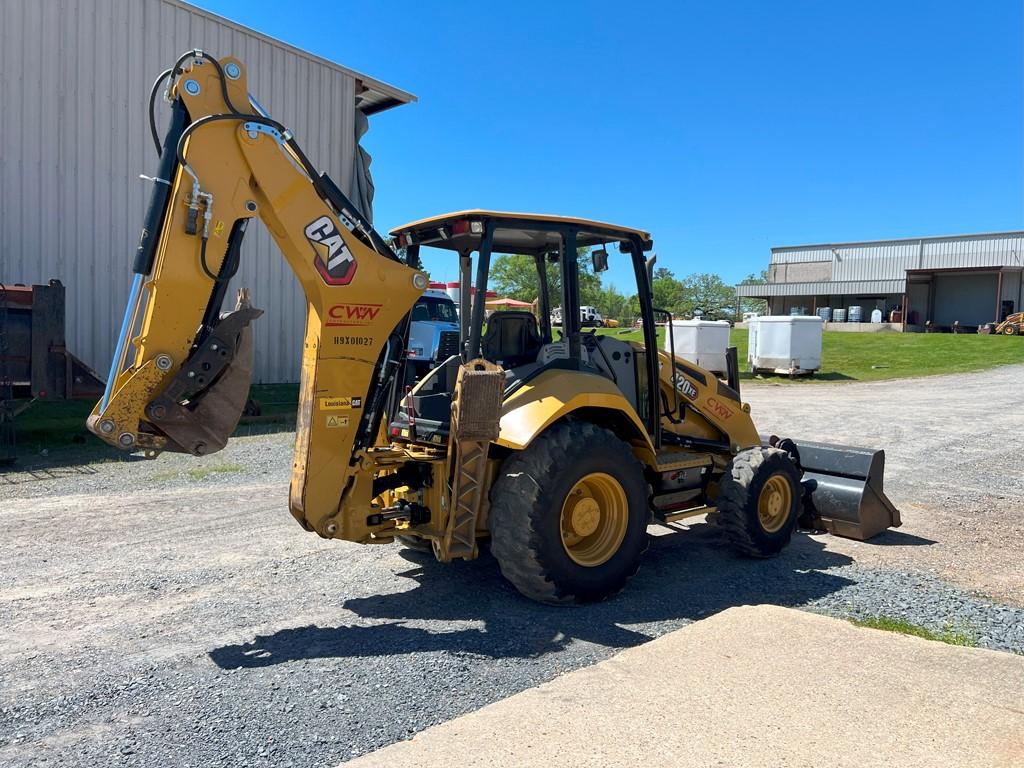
(685, 576)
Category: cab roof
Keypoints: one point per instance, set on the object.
(514, 232)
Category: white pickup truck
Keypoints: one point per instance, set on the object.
(589, 316)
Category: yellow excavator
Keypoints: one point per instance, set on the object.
(557, 445)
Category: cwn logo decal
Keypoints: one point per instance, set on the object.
(352, 314)
(334, 261)
(720, 410)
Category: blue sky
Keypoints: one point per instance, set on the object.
(722, 127)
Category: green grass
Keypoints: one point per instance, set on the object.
(201, 473)
(845, 357)
(49, 425)
(275, 399)
(877, 356)
(949, 635)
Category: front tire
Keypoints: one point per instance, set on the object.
(1010, 330)
(759, 501)
(569, 515)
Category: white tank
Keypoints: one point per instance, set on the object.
(855, 314)
(702, 342)
(452, 290)
(838, 315)
(876, 316)
(785, 343)
(825, 313)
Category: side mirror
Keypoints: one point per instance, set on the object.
(600, 260)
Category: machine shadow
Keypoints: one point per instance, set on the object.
(891, 538)
(686, 576)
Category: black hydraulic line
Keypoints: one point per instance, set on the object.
(202, 260)
(323, 184)
(215, 118)
(195, 53)
(381, 391)
(330, 192)
(146, 252)
(152, 110)
(229, 267)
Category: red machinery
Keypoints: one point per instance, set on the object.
(34, 361)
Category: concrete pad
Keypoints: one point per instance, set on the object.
(751, 686)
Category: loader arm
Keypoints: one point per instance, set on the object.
(179, 366)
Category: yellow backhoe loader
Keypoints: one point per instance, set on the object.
(559, 445)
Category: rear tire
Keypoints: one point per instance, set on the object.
(574, 474)
(759, 501)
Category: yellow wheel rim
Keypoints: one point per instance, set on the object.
(594, 519)
(774, 503)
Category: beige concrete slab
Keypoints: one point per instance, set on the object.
(751, 686)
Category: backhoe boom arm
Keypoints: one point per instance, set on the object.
(180, 365)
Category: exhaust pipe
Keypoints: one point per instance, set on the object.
(843, 488)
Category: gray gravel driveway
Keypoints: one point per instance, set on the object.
(152, 617)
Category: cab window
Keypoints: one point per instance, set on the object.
(437, 310)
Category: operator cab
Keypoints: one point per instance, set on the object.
(527, 343)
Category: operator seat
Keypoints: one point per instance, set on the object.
(512, 338)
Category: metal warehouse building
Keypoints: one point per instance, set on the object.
(970, 279)
(75, 77)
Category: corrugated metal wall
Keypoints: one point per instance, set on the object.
(853, 287)
(889, 260)
(75, 76)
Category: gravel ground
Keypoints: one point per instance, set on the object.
(953, 467)
(157, 617)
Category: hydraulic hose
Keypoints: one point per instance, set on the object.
(215, 118)
(152, 110)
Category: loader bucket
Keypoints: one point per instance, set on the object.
(843, 490)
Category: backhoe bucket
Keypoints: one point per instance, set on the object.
(200, 421)
(843, 489)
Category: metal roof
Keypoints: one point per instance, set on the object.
(447, 218)
(376, 95)
(518, 233)
(901, 240)
(881, 266)
(824, 288)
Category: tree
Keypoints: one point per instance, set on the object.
(612, 304)
(515, 276)
(748, 304)
(710, 294)
(667, 292)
